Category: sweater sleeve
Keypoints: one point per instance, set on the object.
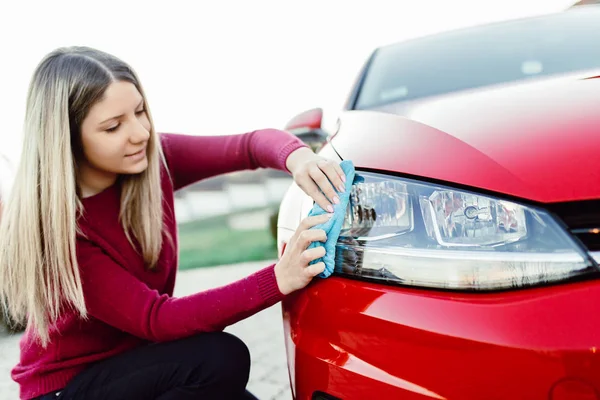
(193, 158)
(116, 297)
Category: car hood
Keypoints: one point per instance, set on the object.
(537, 140)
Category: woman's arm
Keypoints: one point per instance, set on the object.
(119, 299)
(193, 158)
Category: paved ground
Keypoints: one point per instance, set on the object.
(263, 333)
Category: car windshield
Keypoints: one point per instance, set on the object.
(481, 56)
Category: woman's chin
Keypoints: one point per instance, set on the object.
(137, 168)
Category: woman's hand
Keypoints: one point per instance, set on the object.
(293, 271)
(316, 175)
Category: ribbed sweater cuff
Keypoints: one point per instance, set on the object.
(42, 385)
(267, 285)
(286, 151)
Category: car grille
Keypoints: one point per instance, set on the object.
(582, 218)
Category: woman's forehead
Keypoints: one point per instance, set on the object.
(118, 99)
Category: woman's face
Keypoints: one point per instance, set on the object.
(114, 136)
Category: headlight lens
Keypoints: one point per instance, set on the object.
(408, 232)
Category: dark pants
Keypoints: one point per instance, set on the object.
(205, 366)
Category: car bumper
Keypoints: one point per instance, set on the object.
(357, 340)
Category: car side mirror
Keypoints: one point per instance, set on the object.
(307, 127)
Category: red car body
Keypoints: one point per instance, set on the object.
(536, 142)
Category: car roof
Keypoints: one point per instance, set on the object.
(465, 30)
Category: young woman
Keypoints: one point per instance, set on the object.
(88, 242)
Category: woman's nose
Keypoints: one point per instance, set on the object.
(140, 132)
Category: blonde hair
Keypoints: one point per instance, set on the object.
(5, 179)
(39, 273)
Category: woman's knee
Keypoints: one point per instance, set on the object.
(235, 354)
(229, 358)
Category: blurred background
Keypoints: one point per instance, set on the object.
(215, 68)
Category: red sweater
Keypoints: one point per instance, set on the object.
(128, 305)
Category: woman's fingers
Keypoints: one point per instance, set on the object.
(294, 271)
(305, 238)
(312, 221)
(310, 188)
(312, 254)
(320, 178)
(314, 269)
(335, 174)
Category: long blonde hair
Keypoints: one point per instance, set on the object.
(39, 273)
(5, 179)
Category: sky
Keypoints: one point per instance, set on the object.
(226, 67)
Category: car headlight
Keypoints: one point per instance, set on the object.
(412, 233)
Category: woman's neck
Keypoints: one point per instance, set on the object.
(92, 181)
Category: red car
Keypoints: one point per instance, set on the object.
(467, 267)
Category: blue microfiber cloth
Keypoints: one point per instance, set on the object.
(334, 225)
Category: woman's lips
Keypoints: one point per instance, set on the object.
(137, 153)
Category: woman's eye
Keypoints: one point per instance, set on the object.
(140, 112)
(114, 128)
